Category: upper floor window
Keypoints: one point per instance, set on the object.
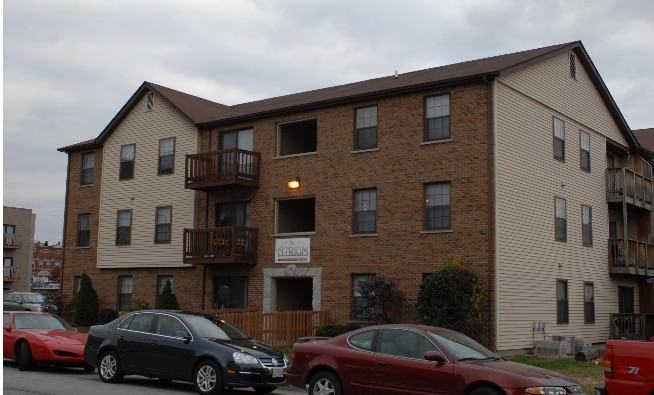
(559, 139)
(124, 227)
(561, 220)
(365, 211)
(298, 137)
(149, 101)
(573, 65)
(366, 128)
(233, 214)
(84, 230)
(88, 165)
(127, 161)
(296, 215)
(562, 302)
(584, 144)
(587, 225)
(166, 155)
(437, 118)
(163, 223)
(437, 206)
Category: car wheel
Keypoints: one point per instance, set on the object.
(109, 368)
(207, 378)
(264, 389)
(25, 360)
(485, 391)
(325, 383)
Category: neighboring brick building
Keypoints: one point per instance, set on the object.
(46, 268)
(501, 160)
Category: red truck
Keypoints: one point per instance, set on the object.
(628, 368)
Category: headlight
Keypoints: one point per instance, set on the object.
(545, 391)
(245, 359)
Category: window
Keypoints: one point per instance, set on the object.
(298, 137)
(561, 301)
(584, 153)
(124, 227)
(296, 215)
(162, 227)
(233, 214)
(10, 236)
(559, 139)
(589, 303)
(161, 284)
(437, 118)
(243, 140)
(166, 155)
(404, 343)
(561, 221)
(230, 292)
(125, 285)
(77, 285)
(88, 165)
(149, 102)
(573, 65)
(366, 128)
(84, 230)
(437, 206)
(587, 225)
(360, 309)
(365, 211)
(127, 161)
(625, 299)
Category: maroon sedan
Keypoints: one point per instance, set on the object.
(414, 359)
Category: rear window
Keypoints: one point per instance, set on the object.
(362, 340)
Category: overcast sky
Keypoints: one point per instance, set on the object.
(70, 65)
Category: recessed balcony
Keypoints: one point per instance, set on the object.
(631, 257)
(227, 168)
(623, 184)
(11, 273)
(221, 245)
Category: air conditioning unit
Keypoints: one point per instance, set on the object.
(550, 348)
(582, 345)
(568, 342)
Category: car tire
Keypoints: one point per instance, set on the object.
(325, 383)
(485, 391)
(207, 378)
(109, 368)
(25, 359)
(264, 389)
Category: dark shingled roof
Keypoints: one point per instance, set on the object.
(645, 138)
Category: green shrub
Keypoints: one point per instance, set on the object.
(86, 303)
(335, 330)
(139, 304)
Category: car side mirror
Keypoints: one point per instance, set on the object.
(183, 335)
(435, 356)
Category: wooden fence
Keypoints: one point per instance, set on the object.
(277, 328)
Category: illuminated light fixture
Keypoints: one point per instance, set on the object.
(294, 183)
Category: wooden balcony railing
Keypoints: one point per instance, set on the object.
(230, 244)
(209, 170)
(632, 257)
(11, 273)
(12, 240)
(622, 183)
(632, 326)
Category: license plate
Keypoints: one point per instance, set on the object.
(277, 372)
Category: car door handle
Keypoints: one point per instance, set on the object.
(380, 363)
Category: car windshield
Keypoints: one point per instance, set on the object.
(214, 328)
(40, 321)
(33, 298)
(463, 347)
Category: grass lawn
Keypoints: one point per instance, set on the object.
(589, 374)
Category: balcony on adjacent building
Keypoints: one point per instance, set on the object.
(210, 170)
(12, 240)
(222, 245)
(11, 273)
(623, 184)
(631, 257)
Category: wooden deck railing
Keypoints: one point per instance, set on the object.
(228, 244)
(234, 166)
(277, 328)
(632, 257)
(623, 183)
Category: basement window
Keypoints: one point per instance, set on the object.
(298, 137)
(296, 215)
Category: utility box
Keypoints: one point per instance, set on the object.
(550, 348)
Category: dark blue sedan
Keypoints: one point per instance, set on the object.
(201, 349)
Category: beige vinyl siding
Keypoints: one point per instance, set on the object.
(147, 190)
(529, 179)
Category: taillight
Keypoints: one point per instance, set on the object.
(608, 362)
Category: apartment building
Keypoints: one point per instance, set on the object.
(17, 248)
(521, 163)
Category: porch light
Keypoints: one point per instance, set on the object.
(294, 183)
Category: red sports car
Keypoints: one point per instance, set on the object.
(33, 337)
(414, 359)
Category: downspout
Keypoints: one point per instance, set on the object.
(494, 271)
(206, 224)
(63, 239)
